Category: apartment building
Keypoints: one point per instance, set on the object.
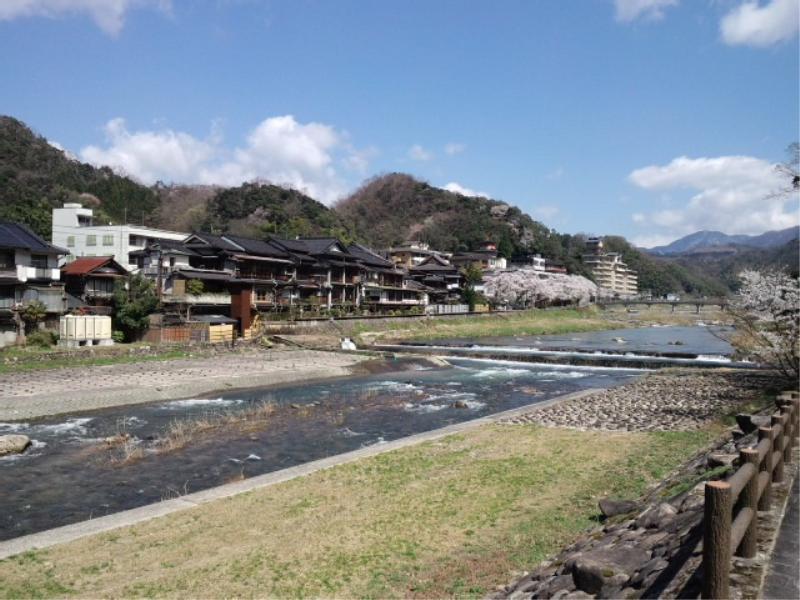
(75, 230)
(611, 274)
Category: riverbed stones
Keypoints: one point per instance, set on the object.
(661, 401)
(13, 444)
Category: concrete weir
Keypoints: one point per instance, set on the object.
(68, 533)
(561, 357)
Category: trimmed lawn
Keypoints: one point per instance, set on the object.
(452, 517)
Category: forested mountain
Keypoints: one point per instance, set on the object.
(725, 263)
(258, 210)
(35, 177)
(386, 210)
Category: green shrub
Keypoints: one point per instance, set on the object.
(42, 338)
(118, 337)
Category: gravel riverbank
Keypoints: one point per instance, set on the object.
(661, 401)
(31, 394)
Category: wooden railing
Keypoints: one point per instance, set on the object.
(731, 506)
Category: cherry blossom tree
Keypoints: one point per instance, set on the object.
(767, 314)
(524, 288)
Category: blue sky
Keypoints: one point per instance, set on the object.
(647, 118)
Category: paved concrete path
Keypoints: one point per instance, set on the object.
(76, 531)
(783, 572)
(30, 394)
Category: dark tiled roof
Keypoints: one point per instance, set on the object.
(433, 267)
(216, 241)
(17, 235)
(166, 246)
(312, 246)
(369, 257)
(258, 247)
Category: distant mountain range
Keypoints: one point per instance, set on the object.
(717, 242)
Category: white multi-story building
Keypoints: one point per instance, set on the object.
(73, 229)
(611, 274)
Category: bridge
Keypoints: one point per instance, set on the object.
(698, 303)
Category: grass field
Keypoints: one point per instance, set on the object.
(534, 322)
(453, 517)
(30, 359)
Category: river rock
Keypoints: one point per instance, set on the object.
(657, 516)
(609, 566)
(611, 508)
(13, 444)
(459, 404)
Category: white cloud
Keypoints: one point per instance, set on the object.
(752, 24)
(628, 11)
(733, 194)
(279, 149)
(453, 148)
(417, 152)
(457, 188)
(150, 155)
(109, 15)
(556, 174)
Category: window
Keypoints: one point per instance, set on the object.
(7, 260)
(108, 240)
(264, 295)
(70, 241)
(91, 240)
(39, 261)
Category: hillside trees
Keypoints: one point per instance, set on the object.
(36, 177)
(258, 210)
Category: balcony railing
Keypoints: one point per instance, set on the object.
(208, 298)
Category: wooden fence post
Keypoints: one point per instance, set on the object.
(748, 498)
(787, 414)
(764, 503)
(717, 540)
(777, 448)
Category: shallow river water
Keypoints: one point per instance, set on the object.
(71, 474)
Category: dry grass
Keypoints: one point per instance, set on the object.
(182, 432)
(454, 517)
